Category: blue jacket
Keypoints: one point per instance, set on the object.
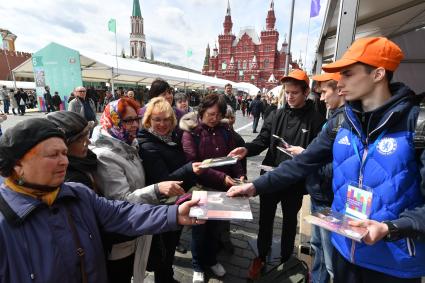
(392, 171)
(36, 241)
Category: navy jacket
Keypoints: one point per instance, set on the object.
(36, 241)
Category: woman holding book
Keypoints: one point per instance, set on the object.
(204, 137)
(164, 160)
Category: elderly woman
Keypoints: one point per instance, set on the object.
(82, 161)
(120, 176)
(50, 230)
(164, 159)
(206, 137)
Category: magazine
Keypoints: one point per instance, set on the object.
(336, 222)
(217, 162)
(218, 206)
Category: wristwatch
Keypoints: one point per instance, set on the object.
(393, 232)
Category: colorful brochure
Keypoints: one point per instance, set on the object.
(336, 222)
(218, 206)
(217, 162)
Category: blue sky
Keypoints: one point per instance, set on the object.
(171, 26)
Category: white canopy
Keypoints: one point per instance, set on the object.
(246, 87)
(403, 21)
(275, 91)
(102, 68)
(24, 85)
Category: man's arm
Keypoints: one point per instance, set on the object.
(317, 154)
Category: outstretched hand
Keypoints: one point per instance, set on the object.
(183, 213)
(242, 190)
(239, 152)
(295, 150)
(171, 188)
(376, 230)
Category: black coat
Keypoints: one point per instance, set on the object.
(81, 170)
(257, 107)
(164, 162)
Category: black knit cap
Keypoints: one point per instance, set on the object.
(19, 139)
(72, 123)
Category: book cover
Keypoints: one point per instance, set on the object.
(217, 162)
(336, 222)
(218, 206)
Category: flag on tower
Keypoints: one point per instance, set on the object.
(314, 8)
(112, 25)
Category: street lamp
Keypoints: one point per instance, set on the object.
(5, 56)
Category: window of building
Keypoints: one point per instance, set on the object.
(266, 63)
(244, 65)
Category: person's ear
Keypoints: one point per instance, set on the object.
(18, 168)
(379, 74)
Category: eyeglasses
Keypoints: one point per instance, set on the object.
(130, 121)
(81, 91)
(213, 115)
(159, 120)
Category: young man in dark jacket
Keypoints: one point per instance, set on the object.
(298, 124)
(374, 156)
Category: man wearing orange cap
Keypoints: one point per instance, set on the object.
(298, 124)
(374, 156)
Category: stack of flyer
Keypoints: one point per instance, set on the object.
(336, 222)
(218, 206)
(217, 162)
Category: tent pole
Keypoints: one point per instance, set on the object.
(112, 82)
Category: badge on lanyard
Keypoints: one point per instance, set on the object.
(359, 201)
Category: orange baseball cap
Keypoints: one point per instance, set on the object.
(297, 74)
(327, 77)
(374, 51)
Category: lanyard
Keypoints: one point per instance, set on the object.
(371, 148)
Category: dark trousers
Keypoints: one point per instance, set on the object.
(204, 245)
(346, 272)
(6, 105)
(291, 203)
(21, 109)
(255, 123)
(120, 271)
(161, 255)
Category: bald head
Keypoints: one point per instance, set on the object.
(80, 91)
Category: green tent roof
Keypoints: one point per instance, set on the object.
(136, 9)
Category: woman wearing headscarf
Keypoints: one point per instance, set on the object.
(50, 230)
(164, 160)
(120, 176)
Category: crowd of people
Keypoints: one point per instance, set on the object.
(105, 200)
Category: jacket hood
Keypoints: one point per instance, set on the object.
(190, 121)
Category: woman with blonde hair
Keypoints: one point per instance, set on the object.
(164, 160)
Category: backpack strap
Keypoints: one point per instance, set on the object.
(419, 137)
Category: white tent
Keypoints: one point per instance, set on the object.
(403, 21)
(275, 91)
(19, 84)
(103, 68)
(246, 87)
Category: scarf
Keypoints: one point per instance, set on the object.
(111, 121)
(168, 139)
(46, 197)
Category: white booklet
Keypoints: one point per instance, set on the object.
(217, 206)
(217, 162)
(336, 222)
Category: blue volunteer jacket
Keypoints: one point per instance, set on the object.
(391, 170)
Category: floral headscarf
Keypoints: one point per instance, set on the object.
(111, 121)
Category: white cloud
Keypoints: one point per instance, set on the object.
(171, 26)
